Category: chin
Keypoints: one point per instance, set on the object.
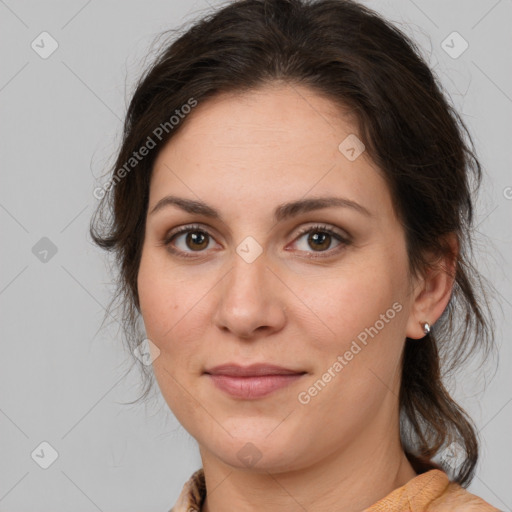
(256, 450)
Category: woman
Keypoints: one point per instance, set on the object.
(291, 211)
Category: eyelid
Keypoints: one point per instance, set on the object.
(324, 227)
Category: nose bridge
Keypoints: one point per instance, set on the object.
(247, 279)
(248, 298)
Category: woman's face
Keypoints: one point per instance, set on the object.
(250, 285)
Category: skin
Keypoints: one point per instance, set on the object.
(244, 155)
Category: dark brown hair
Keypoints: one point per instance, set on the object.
(366, 66)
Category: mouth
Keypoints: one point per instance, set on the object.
(252, 382)
(253, 370)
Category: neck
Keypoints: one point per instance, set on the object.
(351, 480)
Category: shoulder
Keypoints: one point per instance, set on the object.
(457, 499)
(192, 494)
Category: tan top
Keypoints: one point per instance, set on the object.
(431, 491)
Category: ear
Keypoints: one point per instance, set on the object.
(432, 291)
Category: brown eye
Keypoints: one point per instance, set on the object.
(320, 239)
(192, 239)
(187, 240)
(195, 240)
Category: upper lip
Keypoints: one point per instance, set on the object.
(252, 370)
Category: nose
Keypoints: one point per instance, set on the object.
(251, 300)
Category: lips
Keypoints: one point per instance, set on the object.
(254, 370)
(252, 382)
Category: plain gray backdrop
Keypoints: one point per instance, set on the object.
(61, 379)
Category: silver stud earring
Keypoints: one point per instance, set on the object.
(426, 327)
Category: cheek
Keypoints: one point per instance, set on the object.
(163, 303)
(160, 303)
(349, 301)
(358, 333)
(172, 306)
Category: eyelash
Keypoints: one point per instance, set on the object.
(316, 228)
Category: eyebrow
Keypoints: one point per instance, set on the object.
(282, 212)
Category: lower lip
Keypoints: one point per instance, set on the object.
(253, 387)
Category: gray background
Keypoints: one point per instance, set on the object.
(61, 380)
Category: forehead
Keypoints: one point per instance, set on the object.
(264, 146)
(275, 115)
